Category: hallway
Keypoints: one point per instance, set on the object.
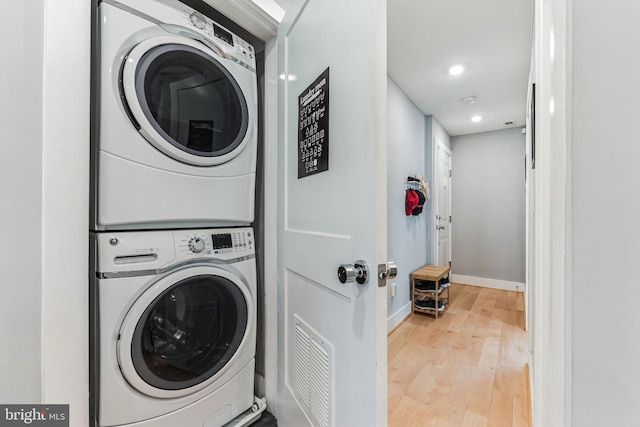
(466, 369)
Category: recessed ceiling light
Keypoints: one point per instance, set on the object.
(476, 119)
(456, 70)
(468, 99)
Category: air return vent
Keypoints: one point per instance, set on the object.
(313, 371)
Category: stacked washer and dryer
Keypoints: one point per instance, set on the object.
(173, 270)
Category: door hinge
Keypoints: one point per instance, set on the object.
(449, 264)
(449, 173)
(449, 218)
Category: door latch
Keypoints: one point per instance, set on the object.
(387, 271)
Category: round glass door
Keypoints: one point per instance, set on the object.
(186, 103)
(185, 335)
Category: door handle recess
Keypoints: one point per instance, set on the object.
(356, 272)
(386, 271)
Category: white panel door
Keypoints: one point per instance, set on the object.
(443, 204)
(332, 336)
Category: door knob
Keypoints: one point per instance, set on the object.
(387, 271)
(356, 272)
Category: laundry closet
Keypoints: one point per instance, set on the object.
(173, 286)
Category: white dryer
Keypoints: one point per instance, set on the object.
(174, 327)
(176, 118)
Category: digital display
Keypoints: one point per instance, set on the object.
(223, 35)
(222, 241)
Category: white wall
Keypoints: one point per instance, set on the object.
(488, 205)
(406, 234)
(434, 130)
(21, 125)
(605, 215)
(44, 109)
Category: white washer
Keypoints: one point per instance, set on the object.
(177, 119)
(175, 327)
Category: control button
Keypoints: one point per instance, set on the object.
(113, 241)
(196, 244)
(248, 234)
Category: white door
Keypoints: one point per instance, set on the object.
(332, 336)
(443, 204)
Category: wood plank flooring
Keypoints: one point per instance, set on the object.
(467, 368)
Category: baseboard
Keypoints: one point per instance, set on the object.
(505, 285)
(398, 317)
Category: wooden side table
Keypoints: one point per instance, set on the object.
(431, 273)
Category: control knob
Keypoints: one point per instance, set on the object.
(196, 244)
(198, 21)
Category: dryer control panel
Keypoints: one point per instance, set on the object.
(227, 41)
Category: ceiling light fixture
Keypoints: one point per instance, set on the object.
(476, 119)
(468, 100)
(456, 70)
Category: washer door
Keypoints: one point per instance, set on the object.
(184, 331)
(185, 102)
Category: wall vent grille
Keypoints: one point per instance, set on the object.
(313, 371)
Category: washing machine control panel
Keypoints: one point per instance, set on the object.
(126, 251)
(228, 42)
(218, 243)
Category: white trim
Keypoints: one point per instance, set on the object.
(65, 214)
(249, 15)
(398, 317)
(552, 329)
(381, 147)
(434, 194)
(484, 282)
(568, 215)
(271, 224)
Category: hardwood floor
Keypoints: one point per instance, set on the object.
(467, 368)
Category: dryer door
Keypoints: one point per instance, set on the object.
(184, 331)
(185, 101)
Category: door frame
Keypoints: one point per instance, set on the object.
(551, 320)
(541, 375)
(270, 235)
(435, 196)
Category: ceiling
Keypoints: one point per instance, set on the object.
(491, 38)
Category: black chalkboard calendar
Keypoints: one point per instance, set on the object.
(313, 127)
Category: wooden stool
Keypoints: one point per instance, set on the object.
(431, 273)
